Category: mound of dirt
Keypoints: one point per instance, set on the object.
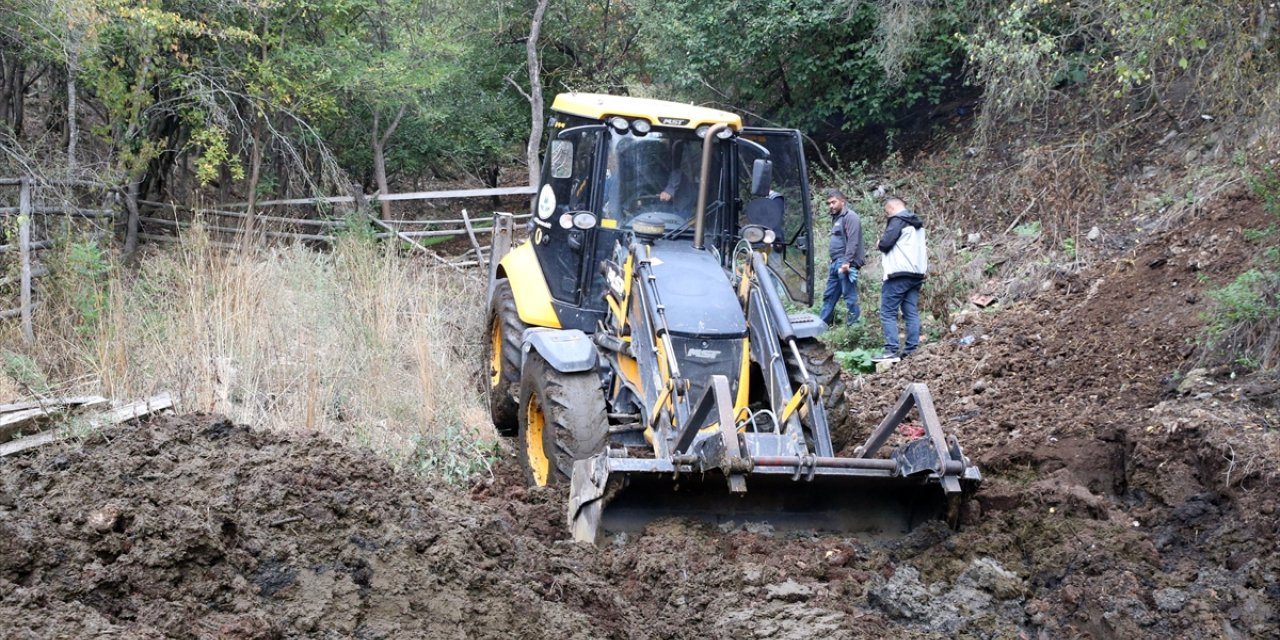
(1125, 485)
(1125, 496)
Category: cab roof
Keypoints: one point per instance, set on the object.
(598, 106)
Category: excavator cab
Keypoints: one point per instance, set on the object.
(643, 345)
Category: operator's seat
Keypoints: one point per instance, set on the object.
(768, 213)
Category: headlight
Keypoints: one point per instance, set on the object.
(618, 122)
(753, 233)
(640, 126)
(702, 131)
(769, 236)
(584, 220)
(725, 133)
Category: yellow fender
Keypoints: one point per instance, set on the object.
(529, 286)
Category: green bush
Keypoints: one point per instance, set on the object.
(24, 370)
(1029, 229)
(1244, 324)
(453, 454)
(1266, 185)
(857, 360)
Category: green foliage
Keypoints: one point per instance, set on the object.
(1258, 235)
(1029, 229)
(1251, 297)
(1244, 323)
(453, 454)
(24, 370)
(857, 360)
(1023, 51)
(1266, 185)
(809, 64)
(213, 155)
(1069, 247)
(853, 347)
(1017, 54)
(82, 268)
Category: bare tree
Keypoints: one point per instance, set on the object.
(535, 92)
(380, 156)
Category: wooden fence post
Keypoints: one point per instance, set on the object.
(500, 245)
(24, 249)
(471, 233)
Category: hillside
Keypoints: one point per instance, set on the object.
(1122, 500)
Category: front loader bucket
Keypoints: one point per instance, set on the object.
(720, 481)
(616, 495)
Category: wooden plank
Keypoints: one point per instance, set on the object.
(306, 222)
(471, 233)
(30, 442)
(521, 216)
(417, 245)
(175, 224)
(24, 251)
(88, 401)
(137, 409)
(415, 195)
(17, 313)
(230, 246)
(62, 211)
(35, 246)
(37, 272)
(93, 184)
(123, 413)
(499, 246)
(18, 421)
(462, 193)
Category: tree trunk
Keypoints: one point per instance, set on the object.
(73, 132)
(255, 173)
(6, 82)
(380, 158)
(535, 93)
(131, 230)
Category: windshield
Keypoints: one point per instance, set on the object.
(657, 173)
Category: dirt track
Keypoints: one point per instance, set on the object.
(1120, 501)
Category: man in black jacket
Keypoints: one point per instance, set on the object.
(847, 257)
(905, 262)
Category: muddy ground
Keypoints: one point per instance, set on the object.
(1127, 495)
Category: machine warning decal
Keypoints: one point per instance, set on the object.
(546, 202)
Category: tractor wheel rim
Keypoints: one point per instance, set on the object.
(535, 453)
(495, 353)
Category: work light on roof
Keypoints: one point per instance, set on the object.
(723, 134)
(620, 123)
(640, 126)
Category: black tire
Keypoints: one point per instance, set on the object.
(502, 355)
(562, 420)
(822, 365)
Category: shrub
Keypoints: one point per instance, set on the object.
(1244, 324)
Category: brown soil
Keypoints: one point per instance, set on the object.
(1124, 497)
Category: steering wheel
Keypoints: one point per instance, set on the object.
(669, 220)
(647, 203)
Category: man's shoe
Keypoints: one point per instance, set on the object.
(886, 357)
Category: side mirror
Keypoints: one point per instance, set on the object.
(761, 177)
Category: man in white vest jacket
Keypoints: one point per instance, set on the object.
(905, 262)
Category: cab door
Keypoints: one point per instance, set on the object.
(792, 257)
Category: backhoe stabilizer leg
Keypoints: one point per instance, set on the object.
(587, 491)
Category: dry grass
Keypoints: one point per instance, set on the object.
(360, 344)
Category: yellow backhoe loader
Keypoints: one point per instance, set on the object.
(644, 349)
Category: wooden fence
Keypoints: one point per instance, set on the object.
(237, 226)
(28, 246)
